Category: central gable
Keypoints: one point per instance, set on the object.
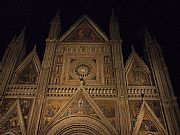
(85, 30)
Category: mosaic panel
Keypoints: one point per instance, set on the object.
(137, 76)
(28, 75)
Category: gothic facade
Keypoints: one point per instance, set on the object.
(82, 86)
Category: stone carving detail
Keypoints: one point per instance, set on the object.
(84, 33)
(28, 75)
(137, 76)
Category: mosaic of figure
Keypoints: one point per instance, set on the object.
(84, 33)
(137, 75)
(147, 125)
(28, 75)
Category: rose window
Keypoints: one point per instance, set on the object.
(82, 70)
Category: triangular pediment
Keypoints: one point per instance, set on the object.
(136, 71)
(84, 30)
(80, 104)
(147, 122)
(13, 120)
(27, 72)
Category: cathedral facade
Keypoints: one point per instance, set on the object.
(83, 87)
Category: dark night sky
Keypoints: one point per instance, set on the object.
(161, 17)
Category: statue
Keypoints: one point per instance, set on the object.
(82, 82)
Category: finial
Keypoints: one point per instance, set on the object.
(57, 17)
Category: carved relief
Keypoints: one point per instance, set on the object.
(137, 76)
(28, 75)
(84, 33)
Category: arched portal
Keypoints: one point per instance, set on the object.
(80, 126)
(11, 133)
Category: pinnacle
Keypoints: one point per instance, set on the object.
(21, 36)
(113, 17)
(56, 19)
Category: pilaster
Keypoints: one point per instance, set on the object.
(51, 42)
(119, 77)
(10, 60)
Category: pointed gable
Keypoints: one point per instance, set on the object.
(80, 104)
(137, 72)
(28, 71)
(147, 122)
(85, 30)
(13, 120)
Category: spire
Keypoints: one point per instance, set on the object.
(147, 37)
(55, 27)
(56, 19)
(113, 17)
(13, 40)
(132, 48)
(20, 38)
(114, 27)
(34, 49)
